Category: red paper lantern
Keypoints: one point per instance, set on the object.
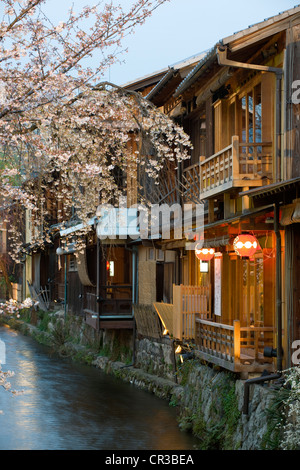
(245, 245)
(204, 254)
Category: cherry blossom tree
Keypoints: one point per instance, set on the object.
(63, 132)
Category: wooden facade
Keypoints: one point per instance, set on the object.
(235, 103)
(232, 105)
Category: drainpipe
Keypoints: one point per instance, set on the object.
(222, 59)
(278, 287)
(256, 380)
(66, 289)
(98, 284)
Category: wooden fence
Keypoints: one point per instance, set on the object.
(189, 302)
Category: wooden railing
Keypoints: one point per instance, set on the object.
(220, 169)
(191, 183)
(91, 309)
(232, 346)
(255, 160)
(239, 164)
(189, 302)
(91, 302)
(115, 301)
(116, 304)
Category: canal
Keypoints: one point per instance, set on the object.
(67, 406)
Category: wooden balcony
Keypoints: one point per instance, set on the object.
(114, 311)
(234, 347)
(238, 165)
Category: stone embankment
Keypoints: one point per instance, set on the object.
(209, 400)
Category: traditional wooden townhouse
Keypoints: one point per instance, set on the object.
(226, 286)
(106, 282)
(101, 281)
(237, 299)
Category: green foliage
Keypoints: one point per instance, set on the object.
(275, 416)
(84, 357)
(217, 432)
(231, 416)
(184, 369)
(284, 414)
(120, 352)
(60, 333)
(44, 320)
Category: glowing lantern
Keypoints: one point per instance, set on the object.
(204, 254)
(245, 245)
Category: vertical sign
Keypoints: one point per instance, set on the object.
(218, 283)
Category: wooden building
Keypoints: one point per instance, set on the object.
(239, 104)
(236, 105)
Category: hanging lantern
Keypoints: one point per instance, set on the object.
(245, 245)
(204, 254)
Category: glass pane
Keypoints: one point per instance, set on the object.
(244, 128)
(231, 120)
(257, 92)
(258, 121)
(250, 117)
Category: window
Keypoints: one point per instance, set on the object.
(250, 106)
(72, 263)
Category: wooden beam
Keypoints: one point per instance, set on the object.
(116, 324)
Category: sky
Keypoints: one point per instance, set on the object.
(180, 29)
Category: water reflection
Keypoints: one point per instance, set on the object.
(69, 406)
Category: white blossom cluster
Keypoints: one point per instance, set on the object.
(61, 134)
(12, 307)
(290, 425)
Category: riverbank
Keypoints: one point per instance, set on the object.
(208, 400)
(66, 405)
(92, 354)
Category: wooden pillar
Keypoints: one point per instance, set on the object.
(245, 201)
(235, 157)
(229, 206)
(237, 340)
(211, 211)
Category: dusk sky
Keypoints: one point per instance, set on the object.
(178, 30)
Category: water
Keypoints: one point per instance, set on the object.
(66, 406)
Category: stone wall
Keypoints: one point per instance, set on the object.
(209, 400)
(211, 406)
(156, 357)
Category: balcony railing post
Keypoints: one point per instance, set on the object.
(235, 157)
(237, 341)
(177, 312)
(202, 171)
